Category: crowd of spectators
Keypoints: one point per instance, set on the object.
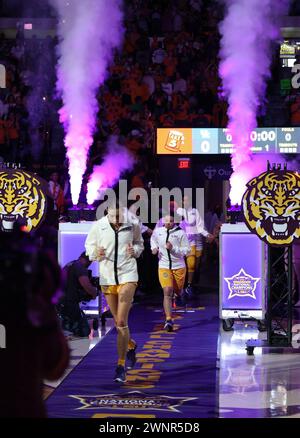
(164, 75)
(167, 73)
(26, 102)
(12, 109)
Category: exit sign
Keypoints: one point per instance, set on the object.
(184, 163)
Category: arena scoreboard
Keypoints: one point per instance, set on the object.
(183, 141)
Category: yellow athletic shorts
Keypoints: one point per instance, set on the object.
(174, 278)
(191, 259)
(199, 252)
(114, 289)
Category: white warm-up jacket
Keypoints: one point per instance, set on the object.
(117, 267)
(174, 258)
(192, 224)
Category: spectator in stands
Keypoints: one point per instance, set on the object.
(159, 54)
(167, 88)
(170, 63)
(138, 180)
(13, 129)
(196, 5)
(156, 21)
(179, 84)
(56, 192)
(177, 21)
(295, 112)
(158, 103)
(4, 151)
(11, 103)
(3, 108)
(134, 141)
(148, 80)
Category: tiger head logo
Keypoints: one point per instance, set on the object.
(21, 197)
(271, 206)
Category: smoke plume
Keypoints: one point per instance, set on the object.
(247, 32)
(117, 161)
(89, 32)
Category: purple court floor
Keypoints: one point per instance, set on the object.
(198, 371)
(175, 375)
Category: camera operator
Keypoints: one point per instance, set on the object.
(78, 288)
(35, 349)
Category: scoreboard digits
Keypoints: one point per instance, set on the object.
(225, 142)
(288, 140)
(205, 141)
(264, 140)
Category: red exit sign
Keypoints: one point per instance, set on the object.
(184, 163)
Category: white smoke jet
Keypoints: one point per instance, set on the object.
(89, 31)
(247, 31)
(117, 161)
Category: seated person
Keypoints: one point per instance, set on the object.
(78, 288)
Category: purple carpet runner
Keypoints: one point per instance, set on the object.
(174, 377)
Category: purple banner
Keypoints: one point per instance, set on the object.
(242, 276)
